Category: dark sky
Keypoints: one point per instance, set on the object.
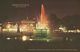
(63, 7)
(59, 7)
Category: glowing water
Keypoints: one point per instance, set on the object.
(43, 22)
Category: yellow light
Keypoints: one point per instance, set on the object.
(10, 28)
(63, 29)
(78, 30)
(24, 38)
(23, 28)
(8, 25)
(41, 26)
(31, 25)
(4, 30)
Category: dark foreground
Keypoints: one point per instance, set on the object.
(17, 45)
(38, 46)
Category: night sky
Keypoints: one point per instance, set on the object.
(59, 7)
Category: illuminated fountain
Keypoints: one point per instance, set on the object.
(43, 22)
(42, 28)
(30, 30)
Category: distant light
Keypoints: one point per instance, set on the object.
(0, 29)
(31, 25)
(31, 39)
(23, 28)
(78, 30)
(66, 38)
(15, 38)
(8, 38)
(20, 5)
(71, 39)
(24, 38)
(0, 23)
(62, 28)
(48, 40)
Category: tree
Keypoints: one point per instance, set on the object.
(72, 22)
(55, 22)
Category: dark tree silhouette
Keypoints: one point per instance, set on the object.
(72, 22)
(55, 22)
